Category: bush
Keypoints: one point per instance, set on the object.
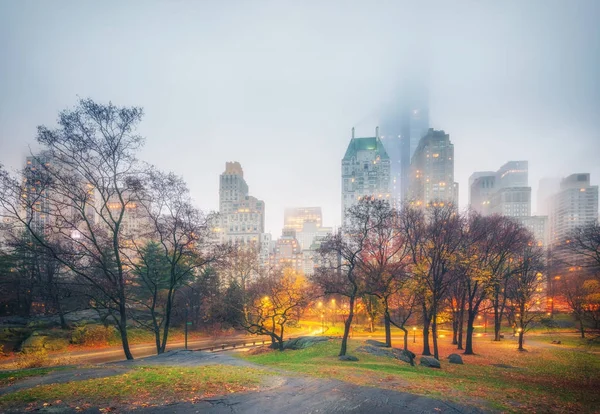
(92, 335)
(35, 359)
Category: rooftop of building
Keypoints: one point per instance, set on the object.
(366, 144)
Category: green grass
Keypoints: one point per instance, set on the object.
(542, 379)
(569, 340)
(9, 377)
(143, 386)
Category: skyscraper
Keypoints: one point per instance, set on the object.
(546, 189)
(481, 187)
(432, 170)
(402, 128)
(242, 217)
(505, 191)
(574, 205)
(365, 172)
(295, 217)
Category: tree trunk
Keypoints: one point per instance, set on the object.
(461, 320)
(470, 329)
(347, 324)
(581, 328)
(157, 340)
(455, 328)
(388, 329)
(405, 337)
(426, 350)
(521, 341)
(168, 309)
(434, 335)
(122, 325)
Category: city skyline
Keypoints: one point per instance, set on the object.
(283, 106)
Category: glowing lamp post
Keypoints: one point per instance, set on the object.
(414, 334)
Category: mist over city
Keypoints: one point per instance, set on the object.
(392, 187)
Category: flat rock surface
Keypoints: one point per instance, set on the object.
(300, 395)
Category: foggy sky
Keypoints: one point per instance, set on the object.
(278, 85)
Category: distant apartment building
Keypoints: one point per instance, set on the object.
(546, 189)
(36, 191)
(306, 224)
(538, 226)
(504, 192)
(287, 252)
(513, 195)
(574, 205)
(432, 171)
(481, 187)
(241, 216)
(295, 217)
(507, 192)
(365, 172)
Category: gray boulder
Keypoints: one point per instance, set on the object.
(407, 356)
(304, 342)
(376, 343)
(429, 361)
(348, 358)
(377, 351)
(455, 359)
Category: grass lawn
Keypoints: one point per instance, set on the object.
(9, 377)
(544, 379)
(141, 387)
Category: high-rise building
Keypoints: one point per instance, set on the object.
(242, 217)
(574, 205)
(505, 191)
(232, 187)
(365, 172)
(511, 202)
(432, 170)
(546, 189)
(481, 187)
(402, 128)
(538, 226)
(513, 174)
(35, 187)
(295, 217)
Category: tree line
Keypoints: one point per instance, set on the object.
(89, 225)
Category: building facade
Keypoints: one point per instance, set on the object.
(574, 205)
(241, 216)
(432, 171)
(295, 217)
(365, 172)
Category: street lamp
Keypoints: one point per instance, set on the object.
(414, 334)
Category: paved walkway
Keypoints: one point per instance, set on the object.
(282, 392)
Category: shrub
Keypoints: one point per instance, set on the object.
(92, 335)
(35, 359)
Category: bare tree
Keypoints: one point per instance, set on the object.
(584, 246)
(90, 180)
(434, 238)
(183, 236)
(384, 258)
(341, 258)
(581, 293)
(525, 289)
(273, 301)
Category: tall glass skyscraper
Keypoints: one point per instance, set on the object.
(402, 126)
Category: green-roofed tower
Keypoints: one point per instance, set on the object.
(365, 171)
